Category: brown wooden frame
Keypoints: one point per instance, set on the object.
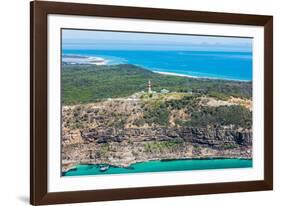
(39, 194)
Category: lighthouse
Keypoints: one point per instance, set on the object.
(149, 87)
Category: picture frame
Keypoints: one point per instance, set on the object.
(40, 114)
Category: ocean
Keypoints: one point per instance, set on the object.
(162, 166)
(204, 64)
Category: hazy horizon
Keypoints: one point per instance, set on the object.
(111, 40)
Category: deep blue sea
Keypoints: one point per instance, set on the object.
(207, 64)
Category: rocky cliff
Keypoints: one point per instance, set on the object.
(164, 126)
(122, 147)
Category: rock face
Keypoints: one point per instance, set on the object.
(123, 131)
(122, 147)
(216, 138)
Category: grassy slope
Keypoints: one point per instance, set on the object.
(91, 83)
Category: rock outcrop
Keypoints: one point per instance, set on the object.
(140, 128)
(122, 147)
(216, 138)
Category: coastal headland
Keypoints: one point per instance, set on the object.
(110, 117)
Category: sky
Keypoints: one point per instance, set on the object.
(107, 40)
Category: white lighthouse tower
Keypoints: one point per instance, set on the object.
(149, 87)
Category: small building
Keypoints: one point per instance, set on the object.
(164, 91)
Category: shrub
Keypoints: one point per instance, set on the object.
(156, 115)
(220, 116)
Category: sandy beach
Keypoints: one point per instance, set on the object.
(199, 77)
(76, 59)
(176, 74)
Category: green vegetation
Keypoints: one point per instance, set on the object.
(77, 118)
(190, 103)
(200, 116)
(92, 83)
(117, 122)
(162, 146)
(220, 116)
(157, 114)
(218, 95)
(104, 150)
(228, 146)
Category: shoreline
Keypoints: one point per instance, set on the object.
(80, 60)
(95, 60)
(74, 166)
(200, 77)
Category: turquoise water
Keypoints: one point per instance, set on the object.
(162, 166)
(210, 64)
